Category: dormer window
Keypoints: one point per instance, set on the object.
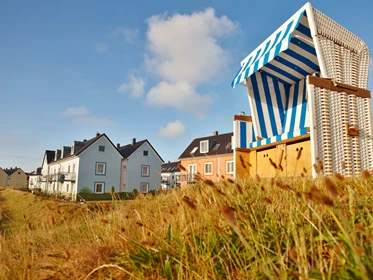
(204, 146)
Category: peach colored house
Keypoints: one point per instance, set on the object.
(210, 157)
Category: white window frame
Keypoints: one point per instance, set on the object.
(103, 168)
(101, 146)
(201, 144)
(146, 174)
(103, 187)
(227, 163)
(204, 168)
(147, 187)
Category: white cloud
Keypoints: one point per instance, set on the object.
(184, 51)
(74, 112)
(179, 95)
(101, 47)
(186, 47)
(172, 129)
(81, 115)
(135, 86)
(130, 35)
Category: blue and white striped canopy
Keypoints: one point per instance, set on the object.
(287, 55)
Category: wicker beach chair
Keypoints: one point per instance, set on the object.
(307, 90)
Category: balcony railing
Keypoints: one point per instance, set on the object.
(67, 176)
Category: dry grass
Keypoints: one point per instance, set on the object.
(251, 229)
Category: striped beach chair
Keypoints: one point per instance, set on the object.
(307, 90)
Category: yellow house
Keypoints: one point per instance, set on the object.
(15, 177)
(3, 178)
(210, 157)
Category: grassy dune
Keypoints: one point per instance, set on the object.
(254, 229)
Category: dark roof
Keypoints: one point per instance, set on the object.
(170, 167)
(10, 171)
(85, 145)
(218, 144)
(50, 155)
(129, 149)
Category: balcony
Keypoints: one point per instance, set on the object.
(68, 176)
(186, 178)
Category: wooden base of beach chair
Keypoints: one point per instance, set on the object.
(290, 158)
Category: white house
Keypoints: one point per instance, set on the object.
(170, 175)
(141, 167)
(94, 163)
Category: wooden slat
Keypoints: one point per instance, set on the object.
(286, 141)
(330, 85)
(243, 118)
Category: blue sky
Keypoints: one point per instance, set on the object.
(156, 70)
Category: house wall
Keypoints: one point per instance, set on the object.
(135, 161)
(218, 166)
(172, 178)
(3, 178)
(123, 179)
(69, 168)
(87, 167)
(17, 179)
(33, 182)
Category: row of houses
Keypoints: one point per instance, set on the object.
(99, 165)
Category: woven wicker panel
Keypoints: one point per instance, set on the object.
(337, 132)
(365, 139)
(346, 59)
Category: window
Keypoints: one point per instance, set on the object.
(74, 167)
(216, 146)
(208, 168)
(229, 146)
(192, 170)
(67, 187)
(144, 187)
(145, 170)
(146, 153)
(229, 167)
(194, 150)
(68, 169)
(204, 146)
(101, 149)
(99, 187)
(100, 168)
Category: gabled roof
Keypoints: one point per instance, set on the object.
(218, 144)
(86, 145)
(170, 167)
(10, 171)
(127, 150)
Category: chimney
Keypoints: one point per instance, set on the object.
(85, 140)
(215, 132)
(133, 141)
(118, 145)
(97, 134)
